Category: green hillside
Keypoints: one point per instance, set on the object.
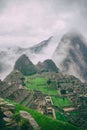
(40, 84)
(46, 123)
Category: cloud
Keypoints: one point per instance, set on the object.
(30, 21)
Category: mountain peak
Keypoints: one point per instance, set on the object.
(71, 55)
(40, 46)
(24, 65)
(73, 33)
(47, 66)
(74, 37)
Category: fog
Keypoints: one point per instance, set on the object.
(24, 23)
(27, 22)
(9, 55)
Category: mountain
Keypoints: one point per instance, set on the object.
(36, 53)
(24, 65)
(8, 56)
(47, 66)
(39, 47)
(71, 55)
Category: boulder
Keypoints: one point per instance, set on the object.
(31, 120)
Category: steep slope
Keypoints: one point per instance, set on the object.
(10, 119)
(47, 66)
(71, 55)
(24, 65)
(39, 47)
(14, 116)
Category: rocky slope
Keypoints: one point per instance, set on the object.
(25, 66)
(11, 120)
(71, 55)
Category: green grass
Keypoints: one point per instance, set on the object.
(36, 80)
(40, 85)
(47, 123)
(61, 102)
(60, 116)
(43, 89)
(73, 113)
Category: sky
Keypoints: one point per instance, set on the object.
(27, 22)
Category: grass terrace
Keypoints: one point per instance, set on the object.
(61, 102)
(40, 85)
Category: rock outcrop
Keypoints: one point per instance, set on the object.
(10, 120)
(27, 116)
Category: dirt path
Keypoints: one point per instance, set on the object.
(69, 109)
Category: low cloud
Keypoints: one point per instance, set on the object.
(27, 22)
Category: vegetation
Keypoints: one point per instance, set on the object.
(47, 66)
(47, 86)
(61, 102)
(23, 123)
(25, 66)
(47, 123)
(2, 123)
(60, 116)
(40, 84)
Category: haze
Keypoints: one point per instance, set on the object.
(27, 22)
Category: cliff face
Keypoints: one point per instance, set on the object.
(71, 55)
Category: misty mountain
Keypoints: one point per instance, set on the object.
(71, 55)
(24, 65)
(47, 66)
(36, 53)
(39, 47)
